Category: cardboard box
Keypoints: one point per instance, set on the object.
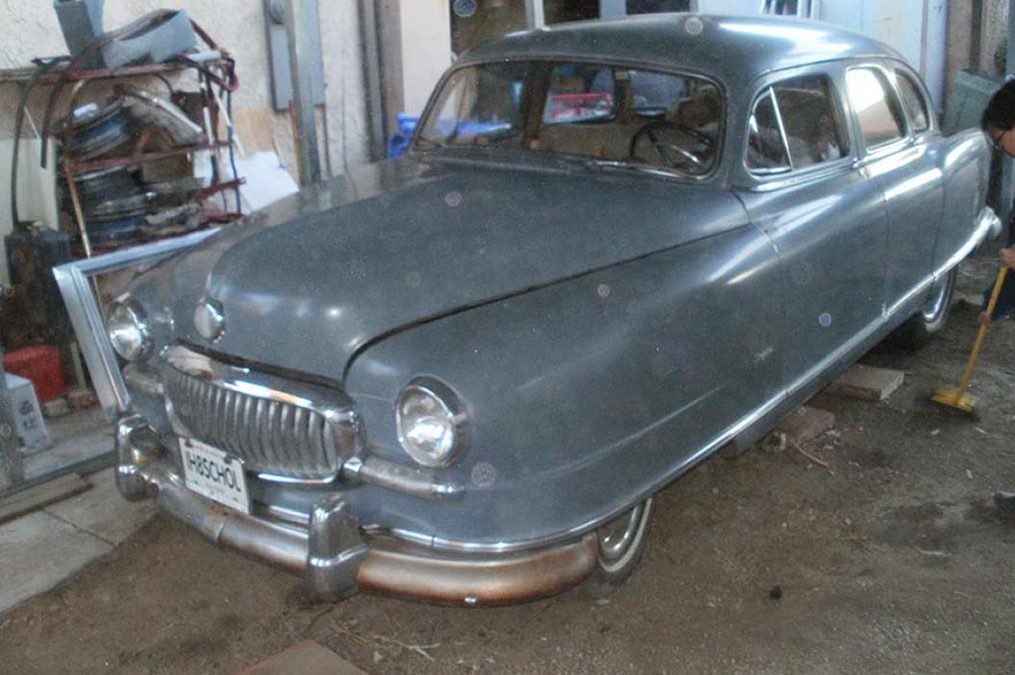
(28, 421)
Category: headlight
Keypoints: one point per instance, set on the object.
(128, 329)
(431, 422)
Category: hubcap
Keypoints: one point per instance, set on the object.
(617, 536)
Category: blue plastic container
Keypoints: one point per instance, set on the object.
(400, 142)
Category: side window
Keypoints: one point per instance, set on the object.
(875, 106)
(795, 125)
(914, 102)
(766, 149)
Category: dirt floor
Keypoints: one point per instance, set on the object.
(890, 560)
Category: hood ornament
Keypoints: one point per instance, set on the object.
(209, 320)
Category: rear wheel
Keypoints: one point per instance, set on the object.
(621, 543)
(932, 317)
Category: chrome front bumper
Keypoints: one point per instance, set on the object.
(332, 554)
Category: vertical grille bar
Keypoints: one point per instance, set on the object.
(271, 436)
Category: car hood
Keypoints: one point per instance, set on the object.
(308, 282)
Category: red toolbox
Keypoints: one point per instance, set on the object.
(41, 364)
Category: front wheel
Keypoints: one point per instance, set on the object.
(931, 318)
(621, 543)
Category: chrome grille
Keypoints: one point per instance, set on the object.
(286, 435)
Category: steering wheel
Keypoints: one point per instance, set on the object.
(661, 146)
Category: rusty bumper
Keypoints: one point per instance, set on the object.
(332, 554)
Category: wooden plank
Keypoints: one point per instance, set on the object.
(34, 498)
(867, 383)
(306, 658)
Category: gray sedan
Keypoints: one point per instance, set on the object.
(615, 248)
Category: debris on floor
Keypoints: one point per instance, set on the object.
(806, 424)
(867, 383)
(306, 658)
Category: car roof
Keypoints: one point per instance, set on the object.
(730, 49)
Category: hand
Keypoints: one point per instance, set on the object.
(985, 320)
(1008, 257)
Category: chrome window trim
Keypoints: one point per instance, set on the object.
(782, 125)
(871, 152)
(763, 180)
(550, 58)
(897, 73)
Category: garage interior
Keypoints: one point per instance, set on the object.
(860, 535)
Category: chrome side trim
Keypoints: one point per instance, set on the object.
(139, 379)
(988, 224)
(416, 482)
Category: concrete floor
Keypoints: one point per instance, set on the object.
(42, 549)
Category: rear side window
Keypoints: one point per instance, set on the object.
(914, 103)
(875, 106)
(795, 124)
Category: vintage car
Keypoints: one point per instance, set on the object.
(615, 248)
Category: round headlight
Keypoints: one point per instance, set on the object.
(128, 329)
(431, 423)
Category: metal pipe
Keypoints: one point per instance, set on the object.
(976, 36)
(372, 68)
(300, 57)
(535, 17)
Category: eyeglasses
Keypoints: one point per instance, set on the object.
(998, 140)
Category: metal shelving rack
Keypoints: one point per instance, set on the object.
(140, 153)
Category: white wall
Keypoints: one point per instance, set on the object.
(916, 28)
(425, 49)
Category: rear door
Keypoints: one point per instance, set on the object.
(823, 215)
(896, 130)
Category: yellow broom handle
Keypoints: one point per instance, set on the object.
(974, 357)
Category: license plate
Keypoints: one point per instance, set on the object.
(214, 474)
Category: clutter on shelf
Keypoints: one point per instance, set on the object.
(136, 123)
(143, 155)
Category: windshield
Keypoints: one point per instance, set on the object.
(599, 112)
